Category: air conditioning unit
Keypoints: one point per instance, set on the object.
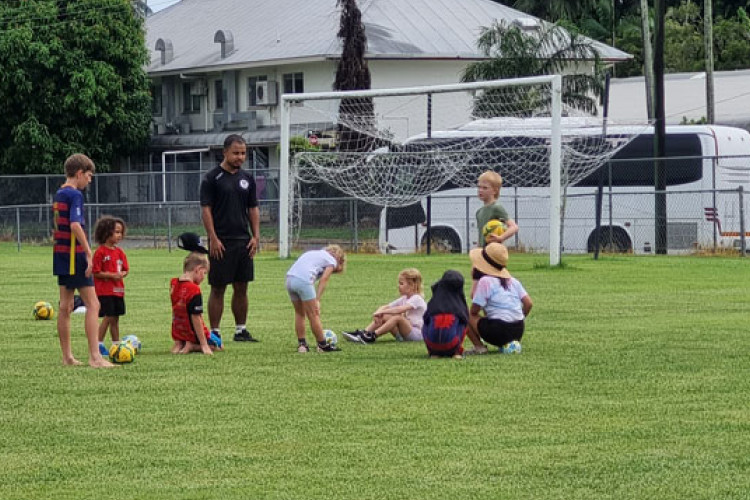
(265, 93)
(199, 87)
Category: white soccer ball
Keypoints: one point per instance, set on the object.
(330, 337)
(513, 347)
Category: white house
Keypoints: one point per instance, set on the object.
(220, 65)
(685, 98)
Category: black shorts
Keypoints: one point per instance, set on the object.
(235, 267)
(498, 332)
(109, 305)
(75, 281)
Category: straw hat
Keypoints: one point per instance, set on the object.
(491, 260)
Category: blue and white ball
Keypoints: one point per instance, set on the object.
(330, 338)
(134, 342)
(513, 347)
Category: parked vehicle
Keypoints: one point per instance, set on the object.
(705, 166)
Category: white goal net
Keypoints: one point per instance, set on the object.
(392, 148)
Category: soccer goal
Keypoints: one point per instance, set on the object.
(393, 147)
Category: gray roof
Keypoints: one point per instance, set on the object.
(275, 31)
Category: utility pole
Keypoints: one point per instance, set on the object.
(660, 131)
(708, 41)
(648, 60)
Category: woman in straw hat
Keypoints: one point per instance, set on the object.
(502, 298)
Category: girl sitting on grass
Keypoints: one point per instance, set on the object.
(402, 317)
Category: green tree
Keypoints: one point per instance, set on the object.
(73, 80)
(549, 50)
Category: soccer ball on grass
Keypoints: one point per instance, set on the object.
(513, 347)
(43, 310)
(495, 227)
(330, 338)
(122, 352)
(134, 342)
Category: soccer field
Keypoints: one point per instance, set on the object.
(633, 384)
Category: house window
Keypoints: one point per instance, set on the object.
(294, 83)
(190, 103)
(252, 83)
(156, 100)
(219, 93)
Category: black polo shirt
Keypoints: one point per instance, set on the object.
(229, 196)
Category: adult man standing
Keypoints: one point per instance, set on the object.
(229, 207)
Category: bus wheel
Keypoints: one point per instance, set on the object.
(614, 241)
(443, 240)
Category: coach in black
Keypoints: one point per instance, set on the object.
(229, 207)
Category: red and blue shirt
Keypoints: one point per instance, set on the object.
(69, 257)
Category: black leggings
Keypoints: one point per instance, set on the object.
(498, 332)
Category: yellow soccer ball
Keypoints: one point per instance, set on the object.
(122, 352)
(43, 310)
(496, 227)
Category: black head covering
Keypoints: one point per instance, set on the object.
(191, 242)
(448, 297)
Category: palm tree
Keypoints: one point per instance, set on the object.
(548, 50)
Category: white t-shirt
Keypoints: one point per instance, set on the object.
(310, 265)
(416, 313)
(497, 302)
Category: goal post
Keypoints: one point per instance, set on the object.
(393, 147)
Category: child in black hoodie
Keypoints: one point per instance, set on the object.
(447, 317)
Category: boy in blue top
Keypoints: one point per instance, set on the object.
(72, 260)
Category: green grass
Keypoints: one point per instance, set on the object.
(633, 384)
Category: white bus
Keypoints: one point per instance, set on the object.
(705, 166)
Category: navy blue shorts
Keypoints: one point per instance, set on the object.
(443, 335)
(75, 281)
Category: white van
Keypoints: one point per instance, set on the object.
(700, 158)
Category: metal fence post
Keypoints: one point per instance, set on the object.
(468, 223)
(743, 242)
(169, 227)
(356, 226)
(18, 228)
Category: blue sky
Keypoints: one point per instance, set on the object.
(157, 5)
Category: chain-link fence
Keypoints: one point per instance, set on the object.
(696, 221)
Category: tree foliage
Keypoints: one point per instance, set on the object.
(618, 23)
(72, 80)
(549, 50)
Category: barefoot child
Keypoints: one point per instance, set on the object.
(72, 260)
(189, 332)
(402, 317)
(110, 267)
(312, 266)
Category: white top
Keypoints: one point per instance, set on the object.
(497, 302)
(310, 265)
(418, 307)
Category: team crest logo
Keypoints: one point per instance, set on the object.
(244, 184)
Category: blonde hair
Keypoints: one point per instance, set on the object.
(414, 278)
(339, 255)
(493, 179)
(195, 260)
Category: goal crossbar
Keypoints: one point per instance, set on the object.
(288, 101)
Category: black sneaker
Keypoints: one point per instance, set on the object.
(355, 336)
(368, 337)
(328, 348)
(244, 336)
